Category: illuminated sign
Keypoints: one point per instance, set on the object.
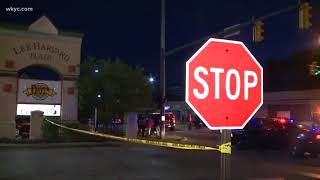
(39, 92)
(48, 110)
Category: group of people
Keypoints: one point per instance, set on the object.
(147, 125)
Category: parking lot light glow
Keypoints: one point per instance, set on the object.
(151, 79)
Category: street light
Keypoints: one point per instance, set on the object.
(96, 70)
(99, 96)
(151, 79)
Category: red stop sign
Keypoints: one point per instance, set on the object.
(224, 84)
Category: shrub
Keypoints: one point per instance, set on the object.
(50, 131)
(53, 133)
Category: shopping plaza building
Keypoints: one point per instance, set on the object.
(302, 106)
(41, 45)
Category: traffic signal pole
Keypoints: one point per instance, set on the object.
(162, 71)
(238, 27)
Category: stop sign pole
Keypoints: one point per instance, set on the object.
(224, 87)
(225, 158)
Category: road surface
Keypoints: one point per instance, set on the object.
(122, 161)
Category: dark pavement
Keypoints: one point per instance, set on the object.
(119, 160)
(202, 136)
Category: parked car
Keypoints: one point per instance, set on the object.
(260, 132)
(23, 128)
(278, 133)
(307, 141)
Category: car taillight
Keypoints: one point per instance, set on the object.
(318, 136)
(282, 121)
(305, 129)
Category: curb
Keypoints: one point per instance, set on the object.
(70, 144)
(141, 141)
(59, 145)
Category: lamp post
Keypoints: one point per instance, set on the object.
(96, 113)
(96, 70)
(162, 70)
(95, 118)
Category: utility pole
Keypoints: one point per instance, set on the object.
(162, 70)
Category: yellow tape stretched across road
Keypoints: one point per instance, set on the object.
(224, 148)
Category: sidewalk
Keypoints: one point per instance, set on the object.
(181, 134)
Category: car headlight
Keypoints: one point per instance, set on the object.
(300, 136)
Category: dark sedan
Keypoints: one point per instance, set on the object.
(307, 141)
(278, 133)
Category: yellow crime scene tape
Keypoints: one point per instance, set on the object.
(224, 148)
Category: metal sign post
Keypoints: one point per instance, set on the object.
(225, 158)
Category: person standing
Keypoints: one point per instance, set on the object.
(189, 121)
(141, 125)
(149, 125)
(157, 126)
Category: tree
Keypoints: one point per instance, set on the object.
(120, 87)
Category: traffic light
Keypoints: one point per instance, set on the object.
(314, 69)
(305, 16)
(257, 31)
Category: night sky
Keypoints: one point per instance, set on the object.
(131, 29)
